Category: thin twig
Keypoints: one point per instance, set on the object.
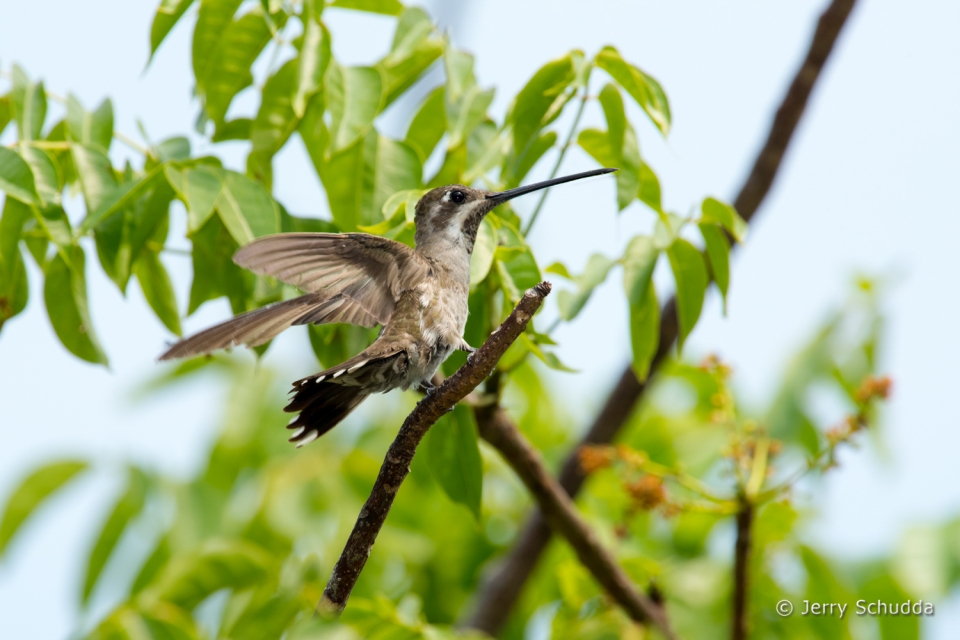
(564, 519)
(502, 586)
(130, 142)
(396, 465)
(741, 571)
(563, 152)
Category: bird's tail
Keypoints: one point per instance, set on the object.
(324, 399)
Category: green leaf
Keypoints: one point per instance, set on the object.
(597, 144)
(49, 183)
(65, 295)
(214, 273)
(54, 225)
(386, 7)
(128, 507)
(547, 357)
(391, 167)
(168, 14)
(598, 266)
(724, 215)
(353, 99)
(34, 489)
(16, 178)
(212, 21)
(122, 196)
(884, 588)
(223, 565)
(458, 66)
(274, 123)
(718, 255)
(361, 179)
(199, 189)
(314, 57)
(536, 150)
(236, 129)
(453, 454)
(268, 619)
(245, 207)
(428, 125)
(542, 99)
(158, 289)
(485, 150)
(29, 101)
(467, 114)
(649, 188)
(113, 247)
(175, 148)
(560, 269)
(415, 47)
(639, 260)
(483, 251)
(93, 129)
(97, 179)
(644, 332)
(6, 112)
(690, 274)
(14, 288)
(342, 178)
(642, 88)
(151, 220)
(516, 265)
(159, 621)
(227, 72)
(823, 586)
(623, 145)
(152, 566)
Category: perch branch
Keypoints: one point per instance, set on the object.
(561, 515)
(503, 585)
(396, 465)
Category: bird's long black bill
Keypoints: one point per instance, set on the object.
(510, 194)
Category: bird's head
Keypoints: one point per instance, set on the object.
(452, 214)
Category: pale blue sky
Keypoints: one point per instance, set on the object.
(867, 186)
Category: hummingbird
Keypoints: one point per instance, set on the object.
(418, 296)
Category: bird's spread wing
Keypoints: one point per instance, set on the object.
(353, 278)
(252, 328)
(356, 273)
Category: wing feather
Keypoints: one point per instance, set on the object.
(369, 270)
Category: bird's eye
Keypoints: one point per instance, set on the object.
(458, 196)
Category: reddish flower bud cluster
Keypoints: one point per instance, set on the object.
(874, 388)
(595, 458)
(713, 364)
(647, 492)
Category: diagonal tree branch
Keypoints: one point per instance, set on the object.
(503, 585)
(396, 465)
(741, 571)
(559, 511)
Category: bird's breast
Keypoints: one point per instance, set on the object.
(443, 313)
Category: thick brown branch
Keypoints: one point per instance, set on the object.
(741, 571)
(503, 585)
(396, 465)
(562, 516)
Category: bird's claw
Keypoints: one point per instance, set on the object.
(471, 352)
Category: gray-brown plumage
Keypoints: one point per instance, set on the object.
(419, 296)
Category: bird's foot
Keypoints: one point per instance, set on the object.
(428, 388)
(471, 351)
